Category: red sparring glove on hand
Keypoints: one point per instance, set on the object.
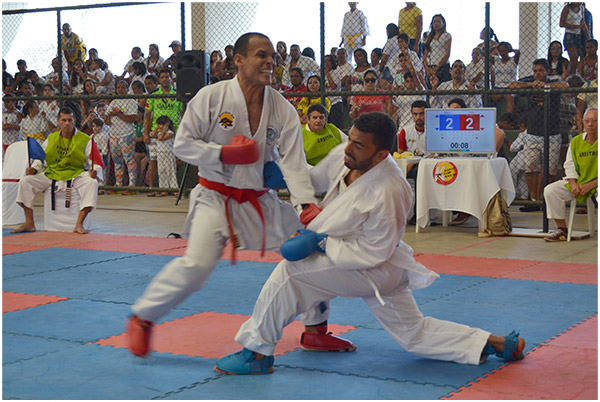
(309, 213)
(240, 151)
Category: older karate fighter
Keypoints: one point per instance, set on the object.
(234, 131)
(354, 248)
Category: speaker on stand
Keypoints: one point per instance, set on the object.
(193, 72)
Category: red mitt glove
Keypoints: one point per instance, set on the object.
(240, 151)
(309, 213)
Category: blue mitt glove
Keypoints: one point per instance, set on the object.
(300, 247)
(272, 176)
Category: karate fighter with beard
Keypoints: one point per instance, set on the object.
(233, 131)
(354, 248)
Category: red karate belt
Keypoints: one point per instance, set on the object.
(240, 195)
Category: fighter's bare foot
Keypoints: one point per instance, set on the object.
(26, 227)
(79, 229)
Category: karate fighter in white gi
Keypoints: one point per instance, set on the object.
(232, 131)
(354, 248)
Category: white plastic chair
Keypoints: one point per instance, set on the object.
(590, 217)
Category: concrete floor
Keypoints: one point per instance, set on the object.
(145, 216)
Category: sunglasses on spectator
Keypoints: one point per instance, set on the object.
(370, 79)
(555, 47)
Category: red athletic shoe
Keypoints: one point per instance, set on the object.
(324, 342)
(138, 332)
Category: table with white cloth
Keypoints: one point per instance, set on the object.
(404, 162)
(461, 184)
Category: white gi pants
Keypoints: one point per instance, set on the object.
(555, 196)
(31, 185)
(208, 233)
(295, 287)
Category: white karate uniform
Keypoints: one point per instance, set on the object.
(87, 187)
(213, 117)
(365, 257)
(354, 28)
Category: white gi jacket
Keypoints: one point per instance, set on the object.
(213, 117)
(366, 222)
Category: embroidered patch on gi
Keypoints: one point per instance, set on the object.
(445, 173)
(227, 121)
(272, 136)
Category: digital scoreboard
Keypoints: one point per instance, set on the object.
(460, 130)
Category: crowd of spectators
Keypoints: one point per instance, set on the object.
(136, 144)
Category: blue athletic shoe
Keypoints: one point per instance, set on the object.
(244, 362)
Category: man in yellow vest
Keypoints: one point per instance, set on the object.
(68, 153)
(319, 136)
(581, 175)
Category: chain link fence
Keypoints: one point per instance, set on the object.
(416, 61)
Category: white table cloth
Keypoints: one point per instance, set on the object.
(461, 184)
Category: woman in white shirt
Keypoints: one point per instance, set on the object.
(437, 49)
(505, 72)
(154, 62)
(33, 124)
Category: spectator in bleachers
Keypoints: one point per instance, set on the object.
(436, 50)
(458, 82)
(505, 72)
(170, 62)
(308, 52)
(141, 150)
(588, 66)
(390, 50)
(572, 18)
(100, 134)
(11, 123)
(89, 88)
(92, 55)
(108, 83)
(282, 51)
(26, 89)
(97, 74)
(333, 82)
(33, 124)
(313, 85)
(413, 57)
(369, 103)
(49, 108)
(151, 83)
(7, 79)
(52, 78)
(306, 64)
(138, 73)
(355, 81)
(227, 69)
(344, 69)
(20, 76)
(319, 136)
(121, 116)
(410, 21)
(493, 43)
(72, 45)
(136, 57)
(297, 85)
(403, 103)
(215, 57)
(138, 88)
(154, 63)
(475, 69)
(156, 107)
(559, 66)
(517, 163)
(355, 29)
(535, 126)
(581, 176)
(585, 101)
(78, 77)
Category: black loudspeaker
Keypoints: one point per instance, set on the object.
(193, 72)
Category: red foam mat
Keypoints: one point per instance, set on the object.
(564, 368)
(12, 301)
(211, 335)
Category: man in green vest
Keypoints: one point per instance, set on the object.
(581, 175)
(320, 137)
(68, 160)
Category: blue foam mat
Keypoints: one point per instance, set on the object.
(38, 341)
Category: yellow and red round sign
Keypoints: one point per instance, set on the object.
(445, 173)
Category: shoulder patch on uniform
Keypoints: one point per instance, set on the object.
(226, 120)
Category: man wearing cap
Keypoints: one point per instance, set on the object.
(170, 62)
